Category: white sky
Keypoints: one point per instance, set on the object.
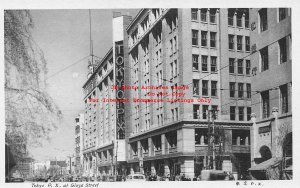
(63, 35)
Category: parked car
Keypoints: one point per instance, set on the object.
(136, 177)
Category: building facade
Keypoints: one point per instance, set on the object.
(207, 52)
(271, 134)
(79, 143)
(104, 128)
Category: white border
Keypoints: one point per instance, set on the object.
(110, 4)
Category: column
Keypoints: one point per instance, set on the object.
(238, 141)
(187, 167)
(163, 144)
(131, 169)
(166, 167)
(276, 149)
(202, 140)
(253, 136)
(153, 170)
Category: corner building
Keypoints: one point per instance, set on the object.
(209, 51)
(104, 130)
(271, 44)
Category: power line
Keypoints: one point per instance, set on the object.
(207, 75)
(76, 62)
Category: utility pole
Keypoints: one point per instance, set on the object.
(211, 138)
(213, 144)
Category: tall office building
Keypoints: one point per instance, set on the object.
(104, 129)
(208, 52)
(271, 134)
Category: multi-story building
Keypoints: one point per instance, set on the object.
(71, 164)
(271, 134)
(79, 143)
(104, 128)
(25, 167)
(208, 52)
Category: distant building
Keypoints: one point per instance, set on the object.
(79, 143)
(24, 167)
(104, 128)
(71, 165)
(271, 134)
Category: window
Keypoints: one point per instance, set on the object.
(204, 87)
(248, 91)
(240, 90)
(204, 111)
(248, 113)
(175, 68)
(175, 45)
(194, 14)
(171, 48)
(241, 113)
(195, 37)
(230, 18)
(204, 63)
(213, 88)
(284, 98)
(231, 42)
(203, 15)
(231, 65)
(239, 20)
(248, 67)
(247, 46)
(239, 42)
(195, 62)
(213, 39)
(232, 112)
(282, 50)
(240, 66)
(196, 111)
(265, 104)
(203, 38)
(264, 55)
(195, 87)
(213, 64)
(282, 13)
(263, 18)
(232, 89)
(215, 111)
(212, 15)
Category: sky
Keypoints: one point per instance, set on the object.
(63, 36)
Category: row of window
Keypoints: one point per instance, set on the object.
(239, 17)
(204, 41)
(239, 39)
(213, 88)
(241, 90)
(263, 17)
(204, 63)
(203, 13)
(240, 66)
(284, 99)
(241, 113)
(283, 54)
(203, 114)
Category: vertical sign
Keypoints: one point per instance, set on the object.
(120, 112)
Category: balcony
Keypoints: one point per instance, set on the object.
(157, 152)
(146, 154)
(135, 156)
(173, 149)
(240, 148)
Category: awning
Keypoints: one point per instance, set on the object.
(266, 164)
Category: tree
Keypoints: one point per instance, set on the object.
(30, 114)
